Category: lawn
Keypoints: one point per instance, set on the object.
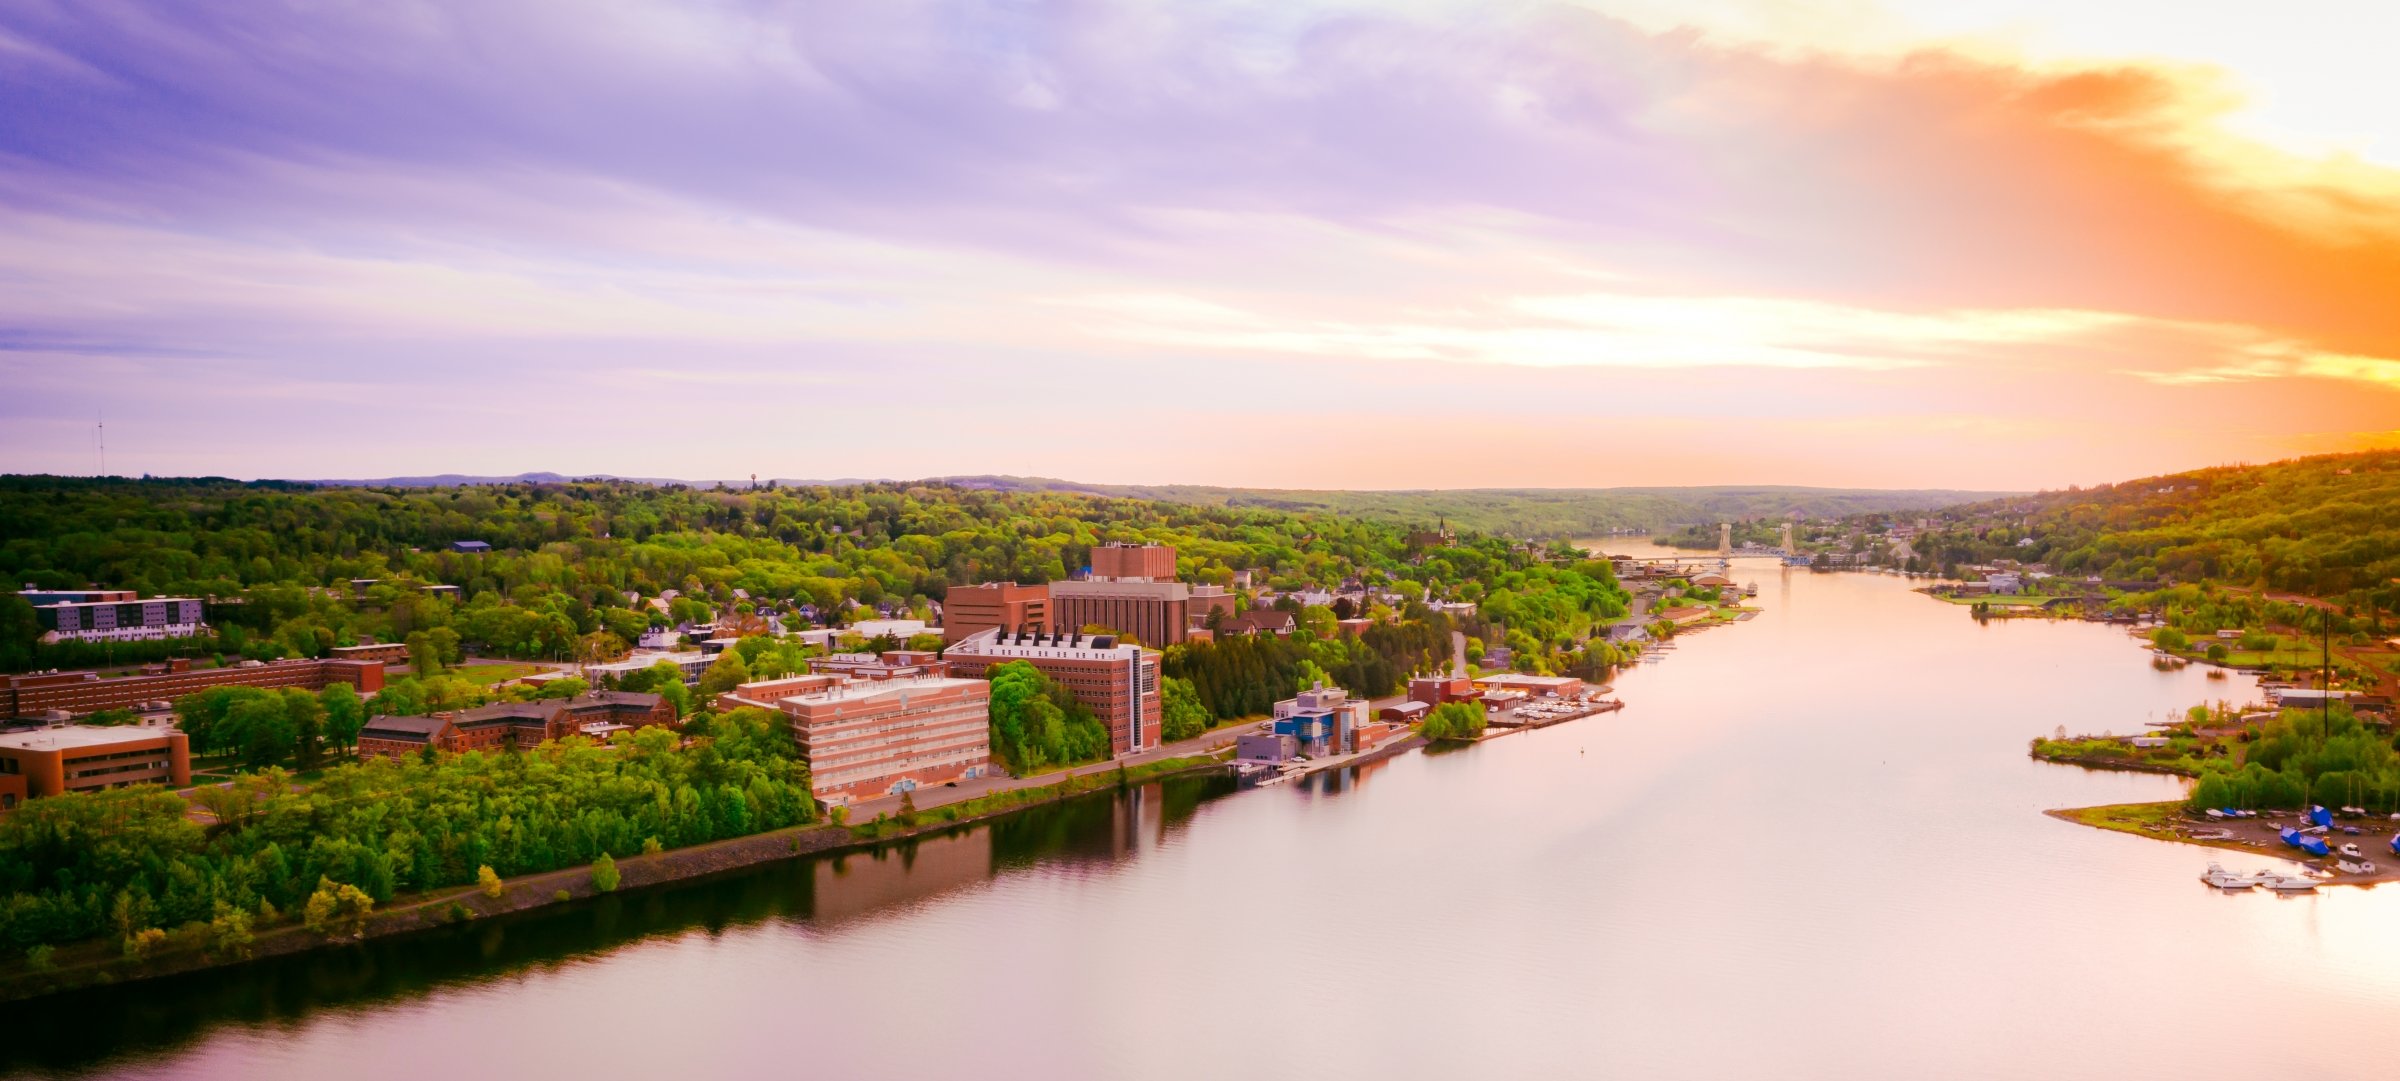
(484, 675)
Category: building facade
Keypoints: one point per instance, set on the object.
(1117, 681)
(869, 738)
(120, 620)
(83, 693)
(1133, 562)
(1322, 719)
(971, 610)
(386, 652)
(515, 725)
(82, 758)
(1154, 613)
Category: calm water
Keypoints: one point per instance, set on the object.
(1810, 846)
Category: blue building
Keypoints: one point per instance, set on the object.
(1322, 719)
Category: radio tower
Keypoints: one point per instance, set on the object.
(100, 437)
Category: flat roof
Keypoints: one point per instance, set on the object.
(876, 688)
(79, 735)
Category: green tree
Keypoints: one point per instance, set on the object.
(1454, 721)
(345, 714)
(307, 716)
(1183, 716)
(337, 910)
(728, 672)
(268, 735)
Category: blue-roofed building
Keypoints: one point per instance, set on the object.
(470, 546)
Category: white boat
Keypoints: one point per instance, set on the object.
(2353, 852)
(2215, 813)
(2287, 883)
(2226, 880)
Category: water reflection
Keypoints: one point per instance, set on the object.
(88, 1029)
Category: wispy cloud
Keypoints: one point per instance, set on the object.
(679, 199)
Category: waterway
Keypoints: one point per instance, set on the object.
(1811, 846)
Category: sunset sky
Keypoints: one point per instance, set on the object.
(1989, 244)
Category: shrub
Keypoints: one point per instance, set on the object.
(229, 932)
(489, 882)
(41, 957)
(337, 910)
(651, 847)
(139, 944)
(604, 874)
(562, 896)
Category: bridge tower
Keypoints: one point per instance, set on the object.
(1724, 538)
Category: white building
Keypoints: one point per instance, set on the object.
(693, 665)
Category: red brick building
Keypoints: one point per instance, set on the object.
(1138, 562)
(84, 693)
(515, 725)
(81, 758)
(968, 610)
(1117, 682)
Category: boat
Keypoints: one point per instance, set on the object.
(2352, 852)
(2226, 880)
(2314, 846)
(2287, 883)
(2214, 813)
(2396, 844)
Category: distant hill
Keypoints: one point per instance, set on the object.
(1517, 512)
(2327, 526)
(1530, 512)
(454, 480)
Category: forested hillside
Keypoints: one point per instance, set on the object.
(278, 559)
(1548, 513)
(2326, 527)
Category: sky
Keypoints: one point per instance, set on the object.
(1994, 244)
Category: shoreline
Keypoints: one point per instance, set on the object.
(440, 909)
(2168, 821)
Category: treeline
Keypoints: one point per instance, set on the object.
(575, 561)
(2305, 757)
(1243, 676)
(132, 863)
(266, 727)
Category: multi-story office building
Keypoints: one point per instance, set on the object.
(82, 693)
(869, 738)
(79, 758)
(1155, 613)
(114, 616)
(1132, 591)
(970, 610)
(1133, 562)
(1117, 681)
